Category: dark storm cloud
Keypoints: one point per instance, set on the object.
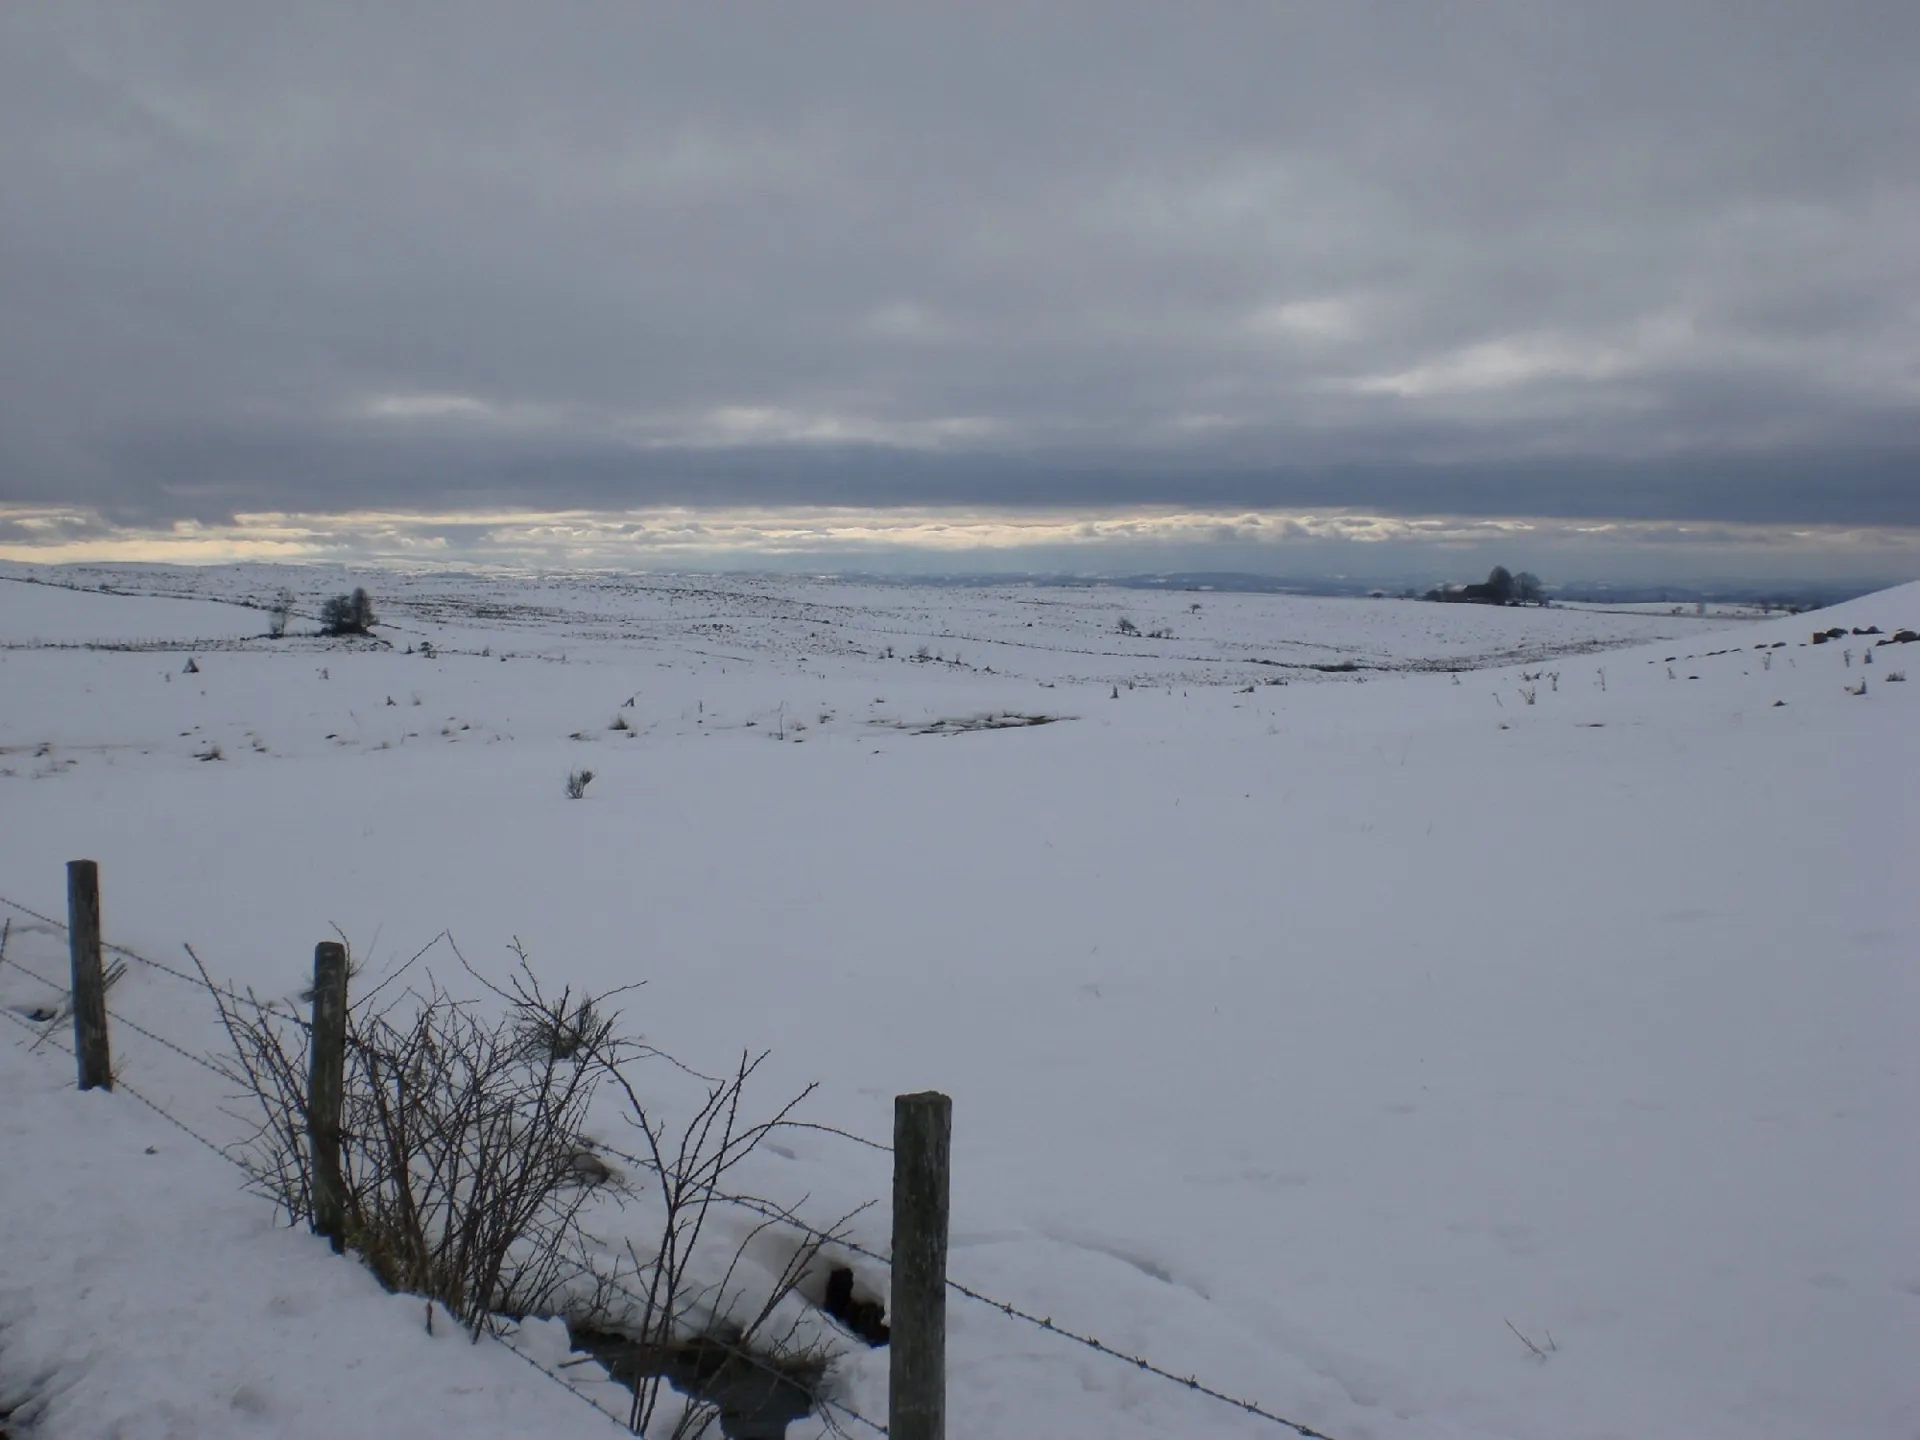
(1612, 259)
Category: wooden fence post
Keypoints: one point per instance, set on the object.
(917, 1364)
(89, 983)
(326, 1076)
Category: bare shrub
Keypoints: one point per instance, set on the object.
(652, 1301)
(577, 782)
(460, 1140)
(467, 1170)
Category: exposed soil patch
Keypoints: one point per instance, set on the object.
(757, 1397)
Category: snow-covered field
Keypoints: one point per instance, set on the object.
(1307, 1028)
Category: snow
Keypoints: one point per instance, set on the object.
(156, 1301)
(1301, 1036)
(48, 614)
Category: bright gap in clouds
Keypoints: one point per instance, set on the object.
(906, 540)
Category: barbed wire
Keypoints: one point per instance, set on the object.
(121, 1085)
(163, 968)
(572, 1390)
(34, 1023)
(180, 1050)
(203, 982)
(836, 1130)
(46, 1032)
(119, 1018)
(34, 1029)
(1187, 1382)
(7, 959)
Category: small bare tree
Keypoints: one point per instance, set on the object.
(693, 1161)
(461, 1136)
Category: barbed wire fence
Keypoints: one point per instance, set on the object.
(44, 1031)
(47, 1032)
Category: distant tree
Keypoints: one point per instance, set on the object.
(1127, 627)
(348, 614)
(1526, 588)
(280, 614)
(1499, 588)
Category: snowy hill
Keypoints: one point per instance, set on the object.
(1544, 972)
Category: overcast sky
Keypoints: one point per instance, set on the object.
(1648, 263)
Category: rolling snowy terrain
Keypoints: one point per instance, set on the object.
(1331, 992)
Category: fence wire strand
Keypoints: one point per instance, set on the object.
(1186, 1382)
(40, 1036)
(59, 925)
(575, 1391)
(118, 1018)
(120, 1084)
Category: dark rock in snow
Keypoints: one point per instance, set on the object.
(866, 1318)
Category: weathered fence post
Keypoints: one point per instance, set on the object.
(917, 1365)
(89, 982)
(326, 1076)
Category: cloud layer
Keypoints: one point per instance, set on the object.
(956, 540)
(1631, 261)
